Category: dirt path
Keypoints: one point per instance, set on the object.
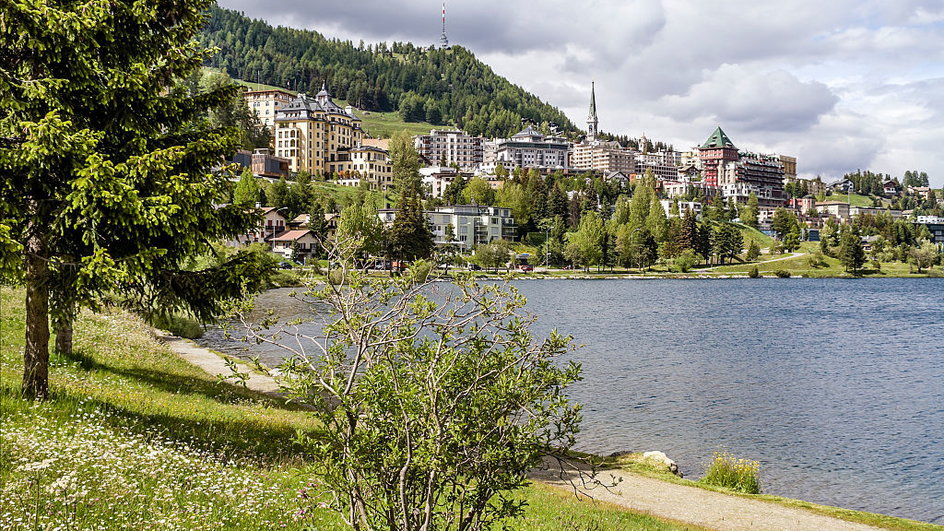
(680, 503)
(696, 506)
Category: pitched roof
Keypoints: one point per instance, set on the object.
(718, 140)
(529, 131)
(290, 236)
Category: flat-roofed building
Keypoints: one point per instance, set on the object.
(447, 147)
(605, 157)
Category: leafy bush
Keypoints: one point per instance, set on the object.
(817, 260)
(753, 273)
(781, 273)
(726, 470)
(686, 261)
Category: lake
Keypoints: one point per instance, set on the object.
(835, 386)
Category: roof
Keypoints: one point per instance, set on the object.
(718, 140)
(292, 235)
(268, 210)
(321, 103)
(529, 131)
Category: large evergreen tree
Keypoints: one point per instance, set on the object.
(105, 182)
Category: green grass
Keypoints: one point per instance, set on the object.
(133, 437)
(856, 200)
(751, 234)
(726, 470)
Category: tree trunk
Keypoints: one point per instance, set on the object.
(63, 324)
(36, 353)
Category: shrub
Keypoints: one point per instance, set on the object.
(686, 261)
(726, 470)
(782, 273)
(753, 273)
(817, 260)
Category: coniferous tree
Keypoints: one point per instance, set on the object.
(247, 190)
(106, 165)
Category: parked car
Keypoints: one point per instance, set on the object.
(473, 267)
(285, 265)
(527, 268)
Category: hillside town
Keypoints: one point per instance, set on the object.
(314, 136)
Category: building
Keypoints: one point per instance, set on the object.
(685, 208)
(663, 164)
(874, 211)
(685, 188)
(437, 178)
(935, 225)
(262, 163)
(299, 242)
(471, 225)
(273, 223)
(312, 133)
(531, 149)
(605, 157)
(717, 151)
(451, 147)
(266, 103)
(593, 122)
(835, 209)
(890, 187)
(365, 164)
(789, 168)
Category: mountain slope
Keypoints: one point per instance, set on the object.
(433, 85)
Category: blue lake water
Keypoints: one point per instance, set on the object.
(835, 386)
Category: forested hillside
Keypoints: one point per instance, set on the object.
(444, 87)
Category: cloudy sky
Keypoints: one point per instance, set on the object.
(840, 84)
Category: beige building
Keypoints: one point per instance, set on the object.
(266, 103)
(315, 134)
(605, 157)
(365, 164)
(789, 168)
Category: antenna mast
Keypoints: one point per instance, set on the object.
(443, 40)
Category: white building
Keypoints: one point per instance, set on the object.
(451, 147)
(664, 164)
(471, 224)
(437, 178)
(604, 157)
(685, 207)
(531, 149)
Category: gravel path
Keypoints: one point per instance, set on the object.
(680, 503)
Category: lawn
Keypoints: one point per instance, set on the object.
(133, 437)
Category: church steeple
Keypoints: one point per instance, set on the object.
(593, 123)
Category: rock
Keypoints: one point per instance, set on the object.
(620, 453)
(661, 458)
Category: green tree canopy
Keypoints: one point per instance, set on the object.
(106, 181)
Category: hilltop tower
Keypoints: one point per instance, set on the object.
(443, 40)
(593, 123)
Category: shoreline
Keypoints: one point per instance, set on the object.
(655, 492)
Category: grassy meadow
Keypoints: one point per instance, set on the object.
(133, 437)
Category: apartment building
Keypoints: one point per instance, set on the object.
(365, 164)
(448, 147)
(605, 157)
(266, 103)
(531, 149)
(315, 134)
(471, 224)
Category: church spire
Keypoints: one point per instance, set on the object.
(593, 122)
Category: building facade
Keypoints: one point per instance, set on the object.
(365, 164)
(314, 132)
(470, 225)
(604, 157)
(266, 103)
(664, 164)
(531, 149)
(717, 151)
(451, 147)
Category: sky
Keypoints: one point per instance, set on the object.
(840, 84)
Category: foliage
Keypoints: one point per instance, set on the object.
(753, 273)
(925, 255)
(584, 247)
(727, 241)
(851, 254)
(782, 273)
(750, 212)
(106, 182)
(726, 470)
(247, 191)
(753, 251)
(361, 230)
(410, 237)
(440, 86)
(685, 261)
(493, 254)
(432, 411)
